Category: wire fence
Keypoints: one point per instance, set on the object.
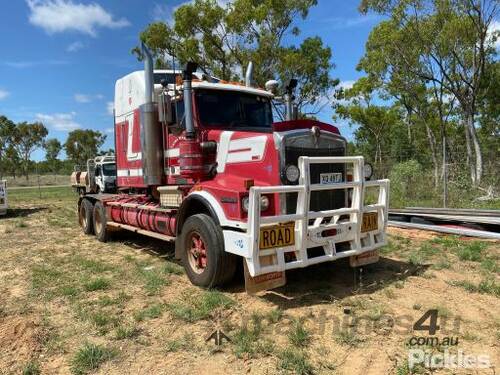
(416, 185)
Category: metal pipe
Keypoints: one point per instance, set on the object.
(151, 133)
(442, 229)
(148, 74)
(249, 75)
(446, 211)
(288, 107)
(188, 98)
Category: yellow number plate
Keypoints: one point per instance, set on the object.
(370, 222)
(277, 236)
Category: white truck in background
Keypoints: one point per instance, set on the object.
(99, 177)
(3, 198)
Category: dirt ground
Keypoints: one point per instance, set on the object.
(70, 304)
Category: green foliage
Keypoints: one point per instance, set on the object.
(406, 183)
(126, 332)
(31, 368)
(295, 361)
(471, 251)
(89, 357)
(223, 38)
(298, 334)
(485, 286)
(52, 150)
(151, 312)
(82, 145)
(25, 139)
(7, 128)
(195, 307)
(433, 63)
(96, 284)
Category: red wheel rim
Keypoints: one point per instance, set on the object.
(197, 252)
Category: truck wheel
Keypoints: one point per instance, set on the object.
(206, 262)
(85, 216)
(100, 228)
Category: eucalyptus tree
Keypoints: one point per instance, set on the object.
(445, 43)
(223, 37)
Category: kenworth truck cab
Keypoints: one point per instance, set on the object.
(201, 162)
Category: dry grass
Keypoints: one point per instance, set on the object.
(72, 304)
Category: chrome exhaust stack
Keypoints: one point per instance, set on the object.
(188, 97)
(151, 132)
(249, 75)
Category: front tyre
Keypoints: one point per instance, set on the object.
(85, 216)
(100, 221)
(206, 262)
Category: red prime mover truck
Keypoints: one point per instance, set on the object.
(200, 162)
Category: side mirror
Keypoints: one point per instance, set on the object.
(164, 108)
(292, 84)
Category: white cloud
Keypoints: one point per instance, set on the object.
(110, 107)
(82, 98)
(75, 46)
(62, 15)
(165, 12)
(346, 85)
(494, 31)
(59, 121)
(85, 98)
(31, 64)
(3, 94)
(110, 130)
(349, 22)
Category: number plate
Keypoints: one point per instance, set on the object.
(277, 236)
(330, 178)
(370, 222)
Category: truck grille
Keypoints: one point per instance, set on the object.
(320, 200)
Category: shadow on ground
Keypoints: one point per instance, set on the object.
(327, 282)
(314, 285)
(23, 212)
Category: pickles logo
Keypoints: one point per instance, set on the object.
(446, 358)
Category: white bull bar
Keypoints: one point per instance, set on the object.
(311, 225)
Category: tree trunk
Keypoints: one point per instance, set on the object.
(469, 157)
(478, 167)
(432, 144)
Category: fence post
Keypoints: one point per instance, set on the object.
(38, 180)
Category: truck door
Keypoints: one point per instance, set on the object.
(99, 180)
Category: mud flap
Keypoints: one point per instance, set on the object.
(266, 281)
(367, 257)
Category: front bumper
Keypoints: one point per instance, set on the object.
(310, 226)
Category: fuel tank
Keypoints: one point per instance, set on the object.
(142, 212)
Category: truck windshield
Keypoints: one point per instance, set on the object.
(233, 109)
(109, 169)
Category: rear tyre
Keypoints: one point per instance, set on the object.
(206, 262)
(100, 227)
(85, 216)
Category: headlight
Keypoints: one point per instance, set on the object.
(244, 203)
(368, 171)
(264, 203)
(292, 173)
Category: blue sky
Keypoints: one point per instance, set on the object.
(60, 59)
